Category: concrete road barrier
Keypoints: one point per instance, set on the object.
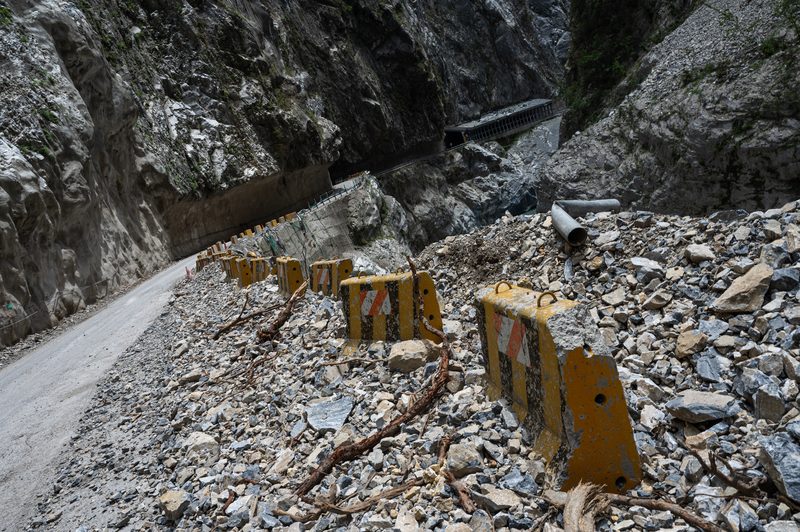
(244, 273)
(549, 358)
(327, 274)
(384, 307)
(290, 275)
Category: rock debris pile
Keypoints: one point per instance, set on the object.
(191, 433)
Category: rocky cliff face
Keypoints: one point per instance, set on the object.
(137, 130)
(76, 216)
(712, 125)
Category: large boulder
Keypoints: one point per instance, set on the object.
(412, 354)
(780, 456)
(696, 407)
(746, 294)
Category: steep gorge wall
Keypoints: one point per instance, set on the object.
(76, 218)
(134, 131)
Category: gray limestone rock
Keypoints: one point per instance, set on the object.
(696, 407)
(330, 416)
(647, 270)
(785, 279)
(713, 328)
(174, 504)
(781, 458)
(698, 253)
(412, 354)
(463, 459)
(746, 293)
(481, 522)
(520, 483)
(769, 403)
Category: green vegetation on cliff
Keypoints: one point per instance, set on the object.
(607, 39)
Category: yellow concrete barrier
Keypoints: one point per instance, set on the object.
(549, 358)
(248, 232)
(327, 274)
(384, 307)
(244, 273)
(290, 275)
(228, 268)
(260, 269)
(201, 262)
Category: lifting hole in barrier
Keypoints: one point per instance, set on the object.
(600, 399)
(425, 291)
(430, 318)
(620, 483)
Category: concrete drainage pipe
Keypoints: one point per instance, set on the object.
(562, 213)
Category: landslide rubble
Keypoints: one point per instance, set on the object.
(700, 313)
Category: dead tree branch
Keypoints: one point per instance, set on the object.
(750, 488)
(673, 508)
(464, 494)
(351, 360)
(274, 330)
(323, 505)
(238, 321)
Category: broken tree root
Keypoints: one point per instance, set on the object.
(274, 330)
(674, 509)
(242, 319)
(584, 502)
(349, 452)
(323, 506)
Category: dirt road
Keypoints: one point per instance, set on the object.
(43, 395)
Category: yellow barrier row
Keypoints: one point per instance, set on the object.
(211, 255)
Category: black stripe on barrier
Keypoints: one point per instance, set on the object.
(534, 388)
(328, 290)
(366, 321)
(481, 311)
(344, 297)
(506, 375)
(393, 320)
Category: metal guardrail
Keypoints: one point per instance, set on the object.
(336, 192)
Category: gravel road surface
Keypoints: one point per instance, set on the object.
(44, 394)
